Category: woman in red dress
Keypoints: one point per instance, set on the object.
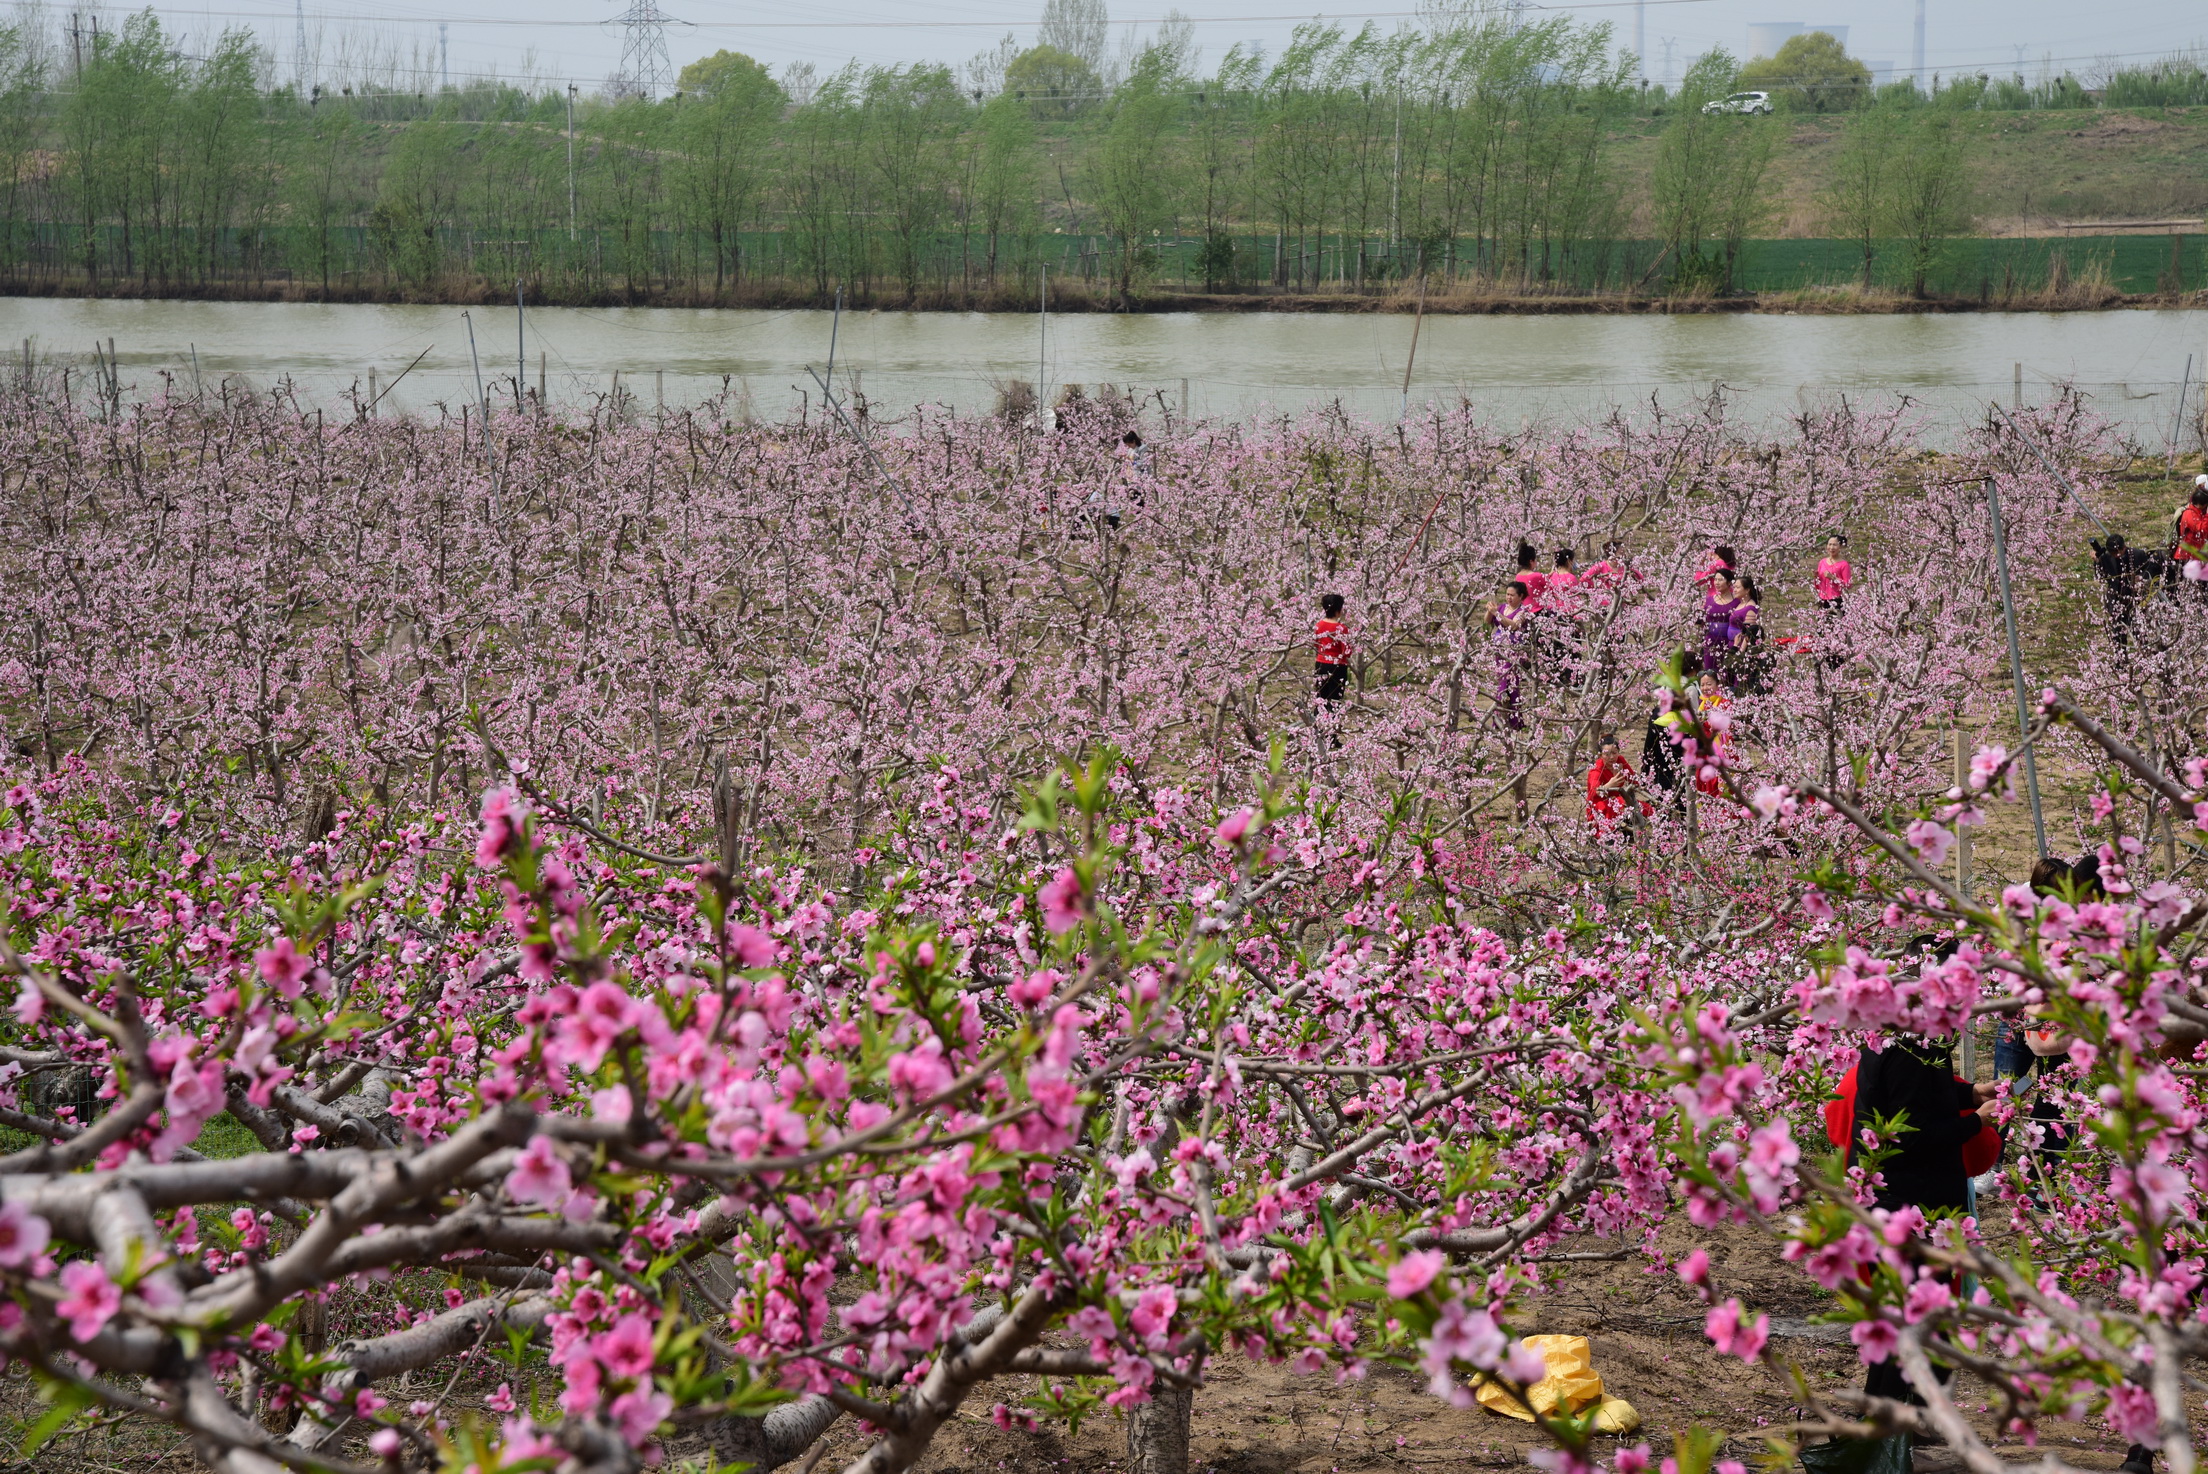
(1611, 789)
(2192, 528)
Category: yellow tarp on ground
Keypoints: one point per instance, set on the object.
(1572, 1383)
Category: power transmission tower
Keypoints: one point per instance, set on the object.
(645, 69)
(301, 65)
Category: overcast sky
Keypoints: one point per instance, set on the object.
(571, 40)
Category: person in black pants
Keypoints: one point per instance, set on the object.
(1659, 753)
(1330, 667)
(1913, 1078)
(1330, 646)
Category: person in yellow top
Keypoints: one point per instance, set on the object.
(1714, 699)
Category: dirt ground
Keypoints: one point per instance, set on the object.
(1253, 1418)
(1647, 1338)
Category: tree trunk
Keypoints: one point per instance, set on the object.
(1157, 1431)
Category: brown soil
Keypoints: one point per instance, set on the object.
(1252, 1418)
(1647, 1337)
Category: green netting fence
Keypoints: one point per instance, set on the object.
(638, 264)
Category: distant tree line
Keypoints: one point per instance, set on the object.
(1472, 149)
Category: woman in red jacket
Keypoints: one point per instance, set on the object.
(1612, 786)
(2192, 531)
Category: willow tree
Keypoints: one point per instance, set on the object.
(913, 118)
(998, 197)
(1301, 144)
(117, 129)
(1858, 199)
(321, 152)
(1708, 182)
(1216, 174)
(824, 185)
(726, 122)
(23, 114)
(1931, 193)
(417, 203)
(219, 175)
(1134, 177)
(1564, 91)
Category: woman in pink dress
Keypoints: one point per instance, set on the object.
(1722, 560)
(1531, 581)
(1833, 576)
(1563, 583)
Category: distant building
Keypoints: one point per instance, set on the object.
(1766, 37)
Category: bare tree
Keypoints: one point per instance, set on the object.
(1076, 27)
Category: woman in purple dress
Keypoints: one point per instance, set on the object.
(1511, 624)
(1722, 611)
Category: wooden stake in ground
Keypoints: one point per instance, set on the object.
(1416, 323)
(1962, 880)
(1962, 834)
(2016, 664)
(2177, 422)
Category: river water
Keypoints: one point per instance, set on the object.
(1555, 370)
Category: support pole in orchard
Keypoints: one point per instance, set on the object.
(1411, 359)
(483, 407)
(2016, 664)
(2049, 467)
(2177, 422)
(828, 398)
(482, 396)
(1962, 834)
(1962, 885)
(835, 326)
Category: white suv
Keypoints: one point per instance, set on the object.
(1751, 103)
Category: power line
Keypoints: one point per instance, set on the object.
(1951, 62)
(935, 25)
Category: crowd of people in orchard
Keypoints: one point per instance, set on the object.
(1949, 1145)
(1536, 630)
(2130, 576)
(1537, 627)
